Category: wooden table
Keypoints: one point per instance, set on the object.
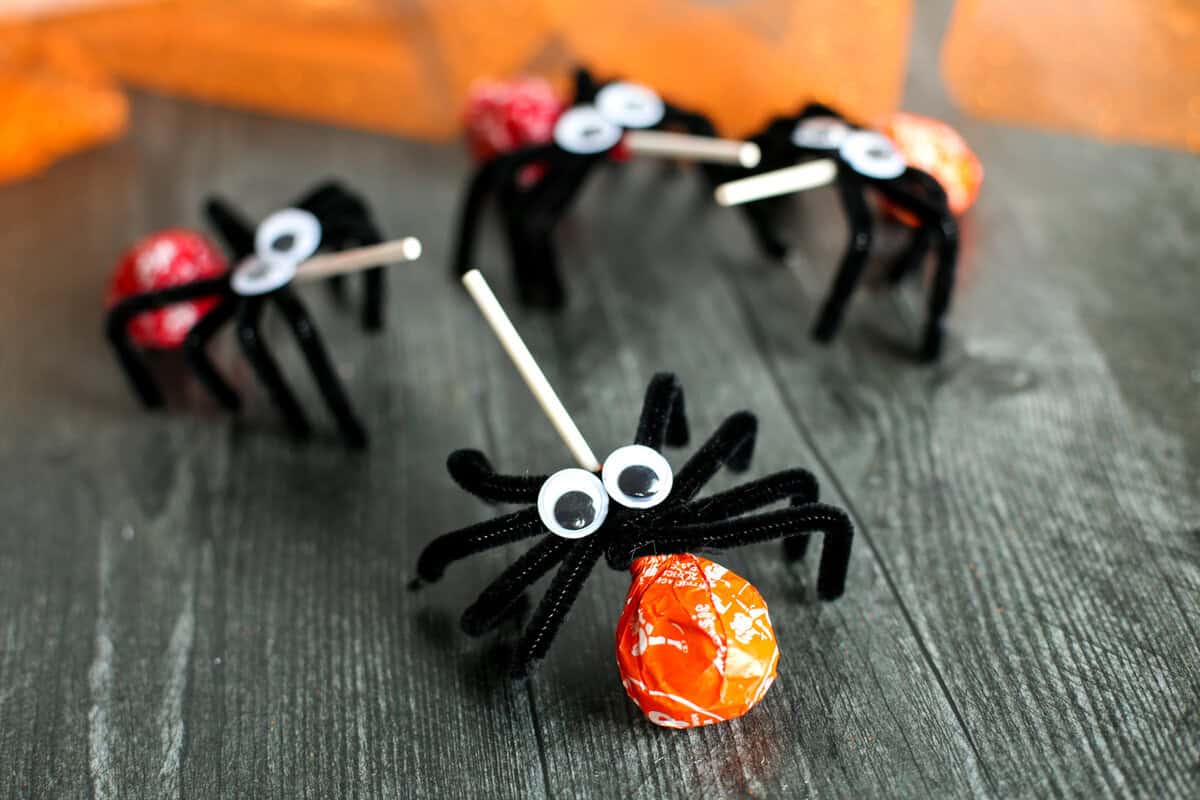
(192, 604)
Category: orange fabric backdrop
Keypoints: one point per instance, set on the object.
(55, 100)
(1118, 69)
(404, 66)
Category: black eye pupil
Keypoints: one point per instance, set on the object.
(574, 510)
(638, 481)
(877, 152)
(283, 242)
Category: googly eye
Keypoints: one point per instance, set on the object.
(873, 155)
(637, 476)
(820, 133)
(287, 235)
(282, 242)
(584, 130)
(631, 105)
(254, 276)
(572, 503)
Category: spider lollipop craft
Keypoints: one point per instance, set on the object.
(695, 644)
(615, 118)
(857, 160)
(174, 290)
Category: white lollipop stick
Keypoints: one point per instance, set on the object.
(522, 359)
(695, 148)
(781, 181)
(359, 258)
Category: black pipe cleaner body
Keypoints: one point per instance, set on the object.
(865, 160)
(585, 135)
(654, 511)
(344, 222)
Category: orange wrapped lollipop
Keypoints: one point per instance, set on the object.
(694, 642)
(938, 149)
(695, 645)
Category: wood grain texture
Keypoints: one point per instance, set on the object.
(194, 606)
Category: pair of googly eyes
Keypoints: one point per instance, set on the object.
(867, 152)
(573, 503)
(282, 242)
(590, 129)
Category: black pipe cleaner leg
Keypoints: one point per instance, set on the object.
(457, 545)
(529, 229)
(128, 355)
(776, 147)
(501, 595)
(487, 177)
(534, 263)
(761, 217)
(373, 297)
(346, 221)
(471, 470)
(732, 445)
(664, 417)
(930, 206)
(586, 86)
(912, 255)
(833, 522)
(194, 345)
(231, 226)
(858, 216)
(353, 432)
(799, 486)
(552, 611)
(539, 279)
(941, 291)
(490, 175)
(264, 366)
(696, 124)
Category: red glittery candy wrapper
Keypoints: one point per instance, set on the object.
(161, 260)
(695, 645)
(503, 116)
(936, 148)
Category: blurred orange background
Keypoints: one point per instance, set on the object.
(1126, 69)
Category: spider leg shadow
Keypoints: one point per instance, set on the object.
(439, 629)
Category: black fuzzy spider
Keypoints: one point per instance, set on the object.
(654, 512)
(865, 159)
(330, 218)
(585, 135)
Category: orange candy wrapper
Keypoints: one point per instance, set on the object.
(936, 148)
(695, 645)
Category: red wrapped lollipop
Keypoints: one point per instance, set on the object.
(172, 257)
(503, 116)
